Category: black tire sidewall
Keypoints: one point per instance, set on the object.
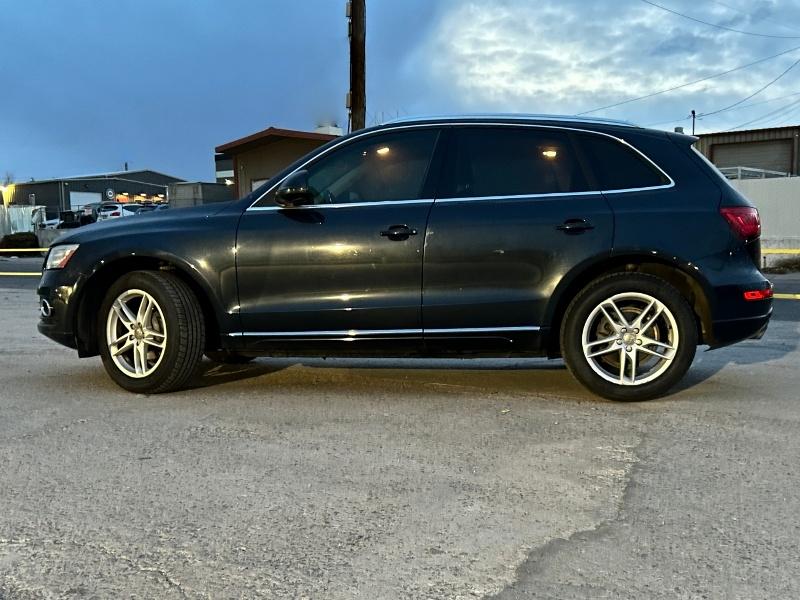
(154, 284)
(602, 289)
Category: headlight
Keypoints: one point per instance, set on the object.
(59, 256)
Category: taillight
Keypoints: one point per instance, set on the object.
(115, 214)
(744, 220)
(753, 295)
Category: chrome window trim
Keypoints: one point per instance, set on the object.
(514, 197)
(343, 205)
(355, 333)
(349, 139)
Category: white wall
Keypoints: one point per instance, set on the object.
(16, 219)
(778, 202)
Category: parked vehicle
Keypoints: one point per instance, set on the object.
(91, 210)
(617, 247)
(114, 210)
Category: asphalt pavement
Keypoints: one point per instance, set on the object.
(298, 478)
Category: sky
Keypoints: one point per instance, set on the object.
(87, 85)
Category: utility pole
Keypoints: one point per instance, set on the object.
(357, 32)
(694, 119)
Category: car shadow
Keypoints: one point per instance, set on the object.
(780, 341)
(213, 374)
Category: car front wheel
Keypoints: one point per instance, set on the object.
(629, 336)
(151, 332)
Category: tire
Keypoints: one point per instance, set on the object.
(637, 351)
(160, 350)
(226, 357)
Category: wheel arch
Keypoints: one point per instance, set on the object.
(683, 275)
(92, 291)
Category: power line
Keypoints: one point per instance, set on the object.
(756, 93)
(679, 120)
(723, 27)
(746, 106)
(747, 14)
(766, 101)
(780, 111)
(684, 85)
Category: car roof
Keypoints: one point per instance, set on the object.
(512, 118)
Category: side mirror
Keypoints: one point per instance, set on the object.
(294, 190)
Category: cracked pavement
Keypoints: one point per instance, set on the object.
(396, 479)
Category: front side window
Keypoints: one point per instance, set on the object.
(617, 166)
(509, 161)
(379, 168)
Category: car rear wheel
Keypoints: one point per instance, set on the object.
(151, 332)
(629, 336)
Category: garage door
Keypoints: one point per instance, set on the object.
(78, 199)
(775, 155)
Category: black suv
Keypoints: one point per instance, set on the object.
(619, 248)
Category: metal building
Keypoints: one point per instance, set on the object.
(193, 193)
(774, 149)
(72, 193)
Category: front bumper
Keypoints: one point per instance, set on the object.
(56, 293)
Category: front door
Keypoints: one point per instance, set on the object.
(349, 264)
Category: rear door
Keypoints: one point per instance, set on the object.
(514, 213)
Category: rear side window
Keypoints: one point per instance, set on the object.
(616, 166)
(507, 161)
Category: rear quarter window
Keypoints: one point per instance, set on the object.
(617, 166)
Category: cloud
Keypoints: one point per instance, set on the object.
(567, 56)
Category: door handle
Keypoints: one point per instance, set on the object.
(575, 226)
(398, 233)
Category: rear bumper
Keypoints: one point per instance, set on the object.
(731, 331)
(735, 318)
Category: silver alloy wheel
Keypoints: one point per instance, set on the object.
(136, 333)
(630, 338)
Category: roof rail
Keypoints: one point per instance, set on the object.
(515, 117)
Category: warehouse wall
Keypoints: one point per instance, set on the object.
(775, 149)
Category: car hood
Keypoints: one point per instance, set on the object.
(149, 222)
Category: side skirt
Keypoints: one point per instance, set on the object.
(517, 341)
